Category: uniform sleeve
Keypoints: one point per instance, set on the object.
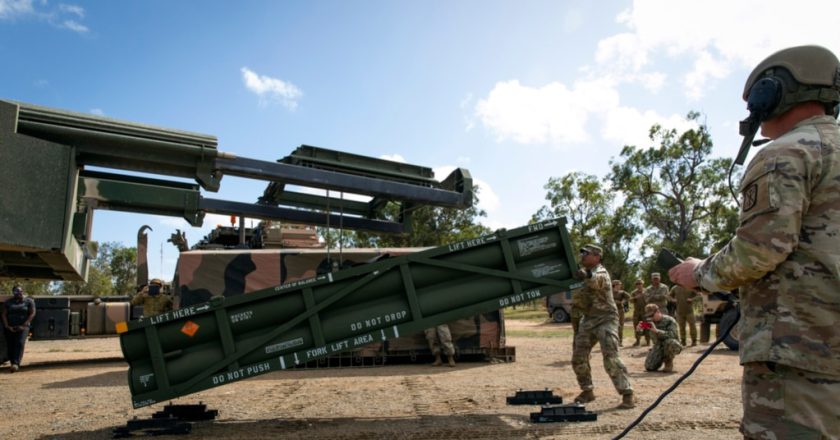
(774, 197)
(669, 330)
(599, 281)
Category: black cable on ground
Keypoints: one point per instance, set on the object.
(665, 393)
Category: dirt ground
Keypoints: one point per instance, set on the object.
(51, 399)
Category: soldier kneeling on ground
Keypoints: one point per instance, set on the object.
(666, 342)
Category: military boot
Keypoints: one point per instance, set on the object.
(437, 361)
(694, 342)
(452, 360)
(585, 396)
(627, 401)
(636, 344)
(669, 366)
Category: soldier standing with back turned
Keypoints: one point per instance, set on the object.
(684, 300)
(621, 298)
(639, 303)
(599, 324)
(785, 255)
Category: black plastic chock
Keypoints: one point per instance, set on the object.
(573, 412)
(534, 398)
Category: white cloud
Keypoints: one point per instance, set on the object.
(705, 67)
(630, 126)
(653, 81)
(74, 26)
(488, 200)
(393, 158)
(97, 112)
(553, 114)
(55, 16)
(72, 9)
(271, 89)
(10, 9)
(701, 43)
(720, 35)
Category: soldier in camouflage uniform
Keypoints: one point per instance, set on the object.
(152, 298)
(639, 303)
(657, 293)
(663, 330)
(578, 304)
(684, 300)
(598, 325)
(441, 336)
(785, 255)
(621, 298)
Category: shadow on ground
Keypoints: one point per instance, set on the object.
(513, 426)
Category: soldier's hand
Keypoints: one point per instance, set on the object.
(580, 274)
(683, 273)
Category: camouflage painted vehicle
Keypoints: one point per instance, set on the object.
(559, 306)
(221, 271)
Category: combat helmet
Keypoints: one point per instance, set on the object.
(791, 76)
(156, 281)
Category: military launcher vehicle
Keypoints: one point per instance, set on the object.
(50, 192)
(227, 339)
(45, 155)
(274, 254)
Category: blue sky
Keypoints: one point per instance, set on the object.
(516, 92)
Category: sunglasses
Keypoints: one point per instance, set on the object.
(584, 253)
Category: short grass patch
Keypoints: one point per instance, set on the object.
(552, 333)
(526, 314)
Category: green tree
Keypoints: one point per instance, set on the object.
(112, 272)
(98, 284)
(680, 191)
(123, 268)
(593, 216)
(429, 226)
(583, 200)
(30, 287)
(618, 238)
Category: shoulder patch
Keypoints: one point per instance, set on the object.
(749, 197)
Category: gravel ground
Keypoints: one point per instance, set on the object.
(53, 398)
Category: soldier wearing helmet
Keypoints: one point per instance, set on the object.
(152, 298)
(785, 255)
(598, 325)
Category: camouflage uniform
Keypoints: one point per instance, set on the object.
(665, 343)
(152, 305)
(785, 259)
(684, 298)
(599, 325)
(579, 304)
(437, 336)
(621, 297)
(658, 296)
(639, 303)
